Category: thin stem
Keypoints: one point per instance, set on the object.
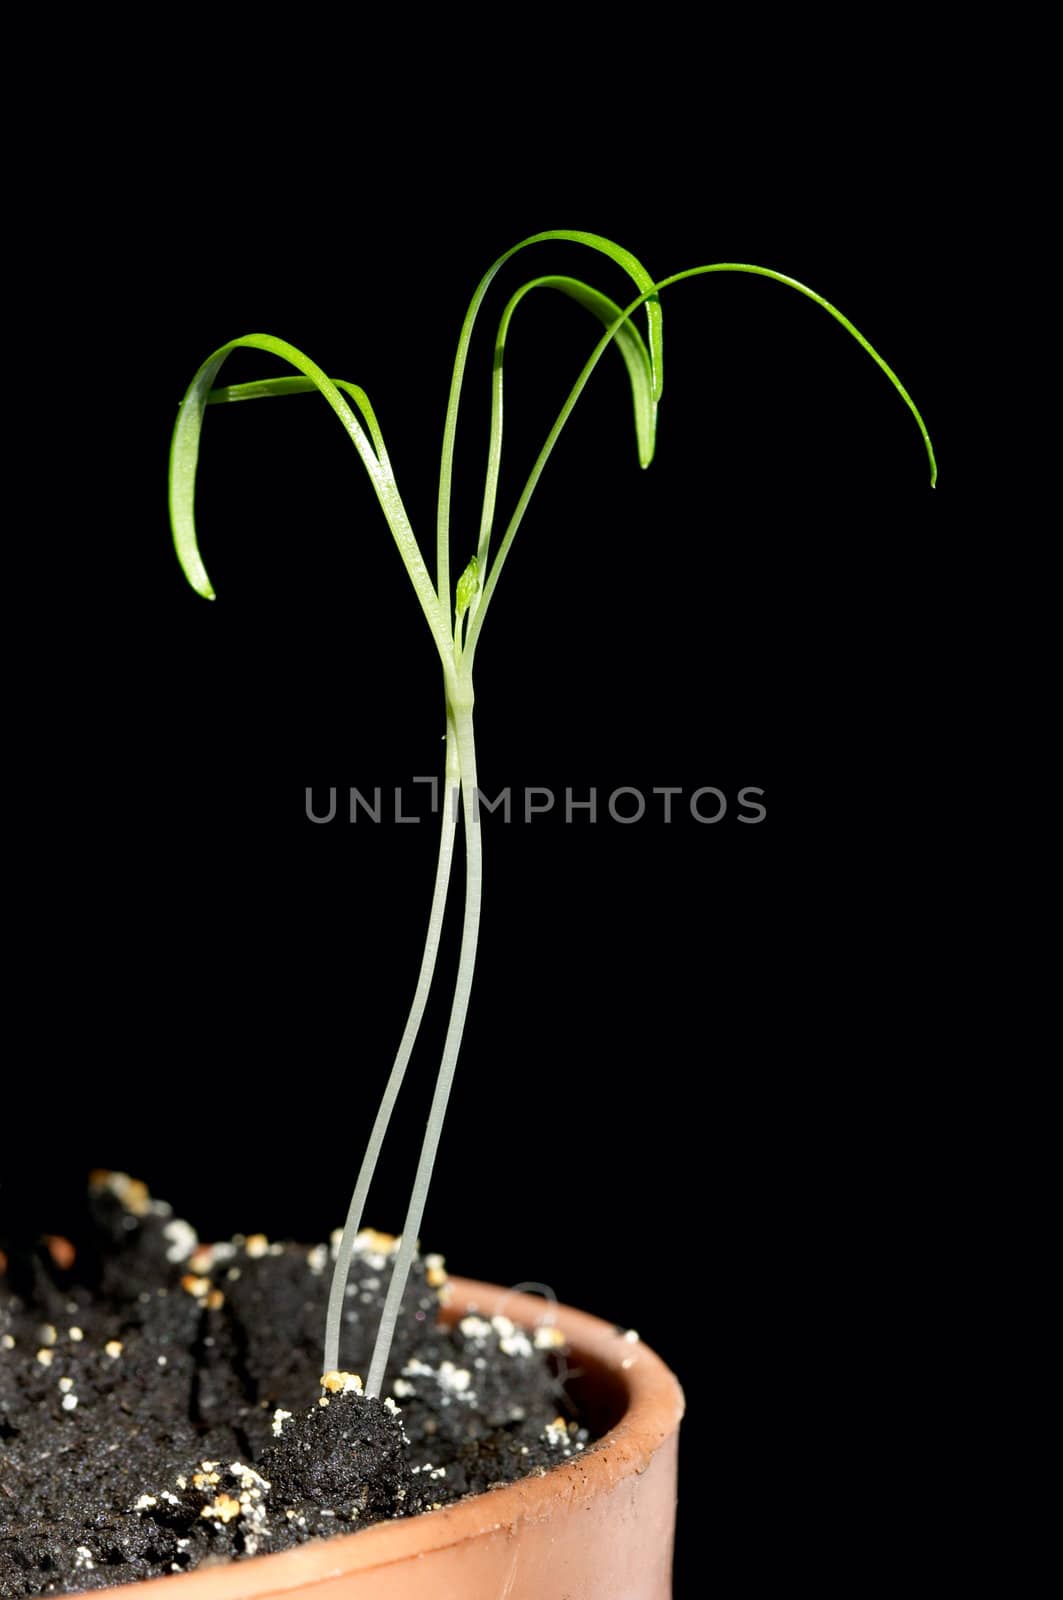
(341, 1271)
(451, 1046)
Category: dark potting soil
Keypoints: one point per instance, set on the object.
(175, 1412)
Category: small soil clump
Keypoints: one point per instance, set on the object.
(174, 1412)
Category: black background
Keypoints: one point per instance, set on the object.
(687, 1099)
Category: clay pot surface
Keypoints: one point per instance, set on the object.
(599, 1526)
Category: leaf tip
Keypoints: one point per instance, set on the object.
(193, 568)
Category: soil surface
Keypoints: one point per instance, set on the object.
(174, 1412)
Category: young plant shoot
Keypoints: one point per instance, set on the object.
(455, 614)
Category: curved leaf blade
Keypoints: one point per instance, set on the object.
(268, 388)
(636, 359)
(487, 593)
(184, 459)
(802, 288)
(594, 241)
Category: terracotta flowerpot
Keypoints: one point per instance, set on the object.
(597, 1527)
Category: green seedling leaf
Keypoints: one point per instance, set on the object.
(267, 388)
(468, 586)
(184, 459)
(594, 241)
(629, 342)
(636, 358)
(802, 288)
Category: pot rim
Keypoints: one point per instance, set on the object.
(653, 1405)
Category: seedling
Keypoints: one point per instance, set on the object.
(455, 614)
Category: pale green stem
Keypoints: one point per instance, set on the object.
(341, 1271)
(451, 1046)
